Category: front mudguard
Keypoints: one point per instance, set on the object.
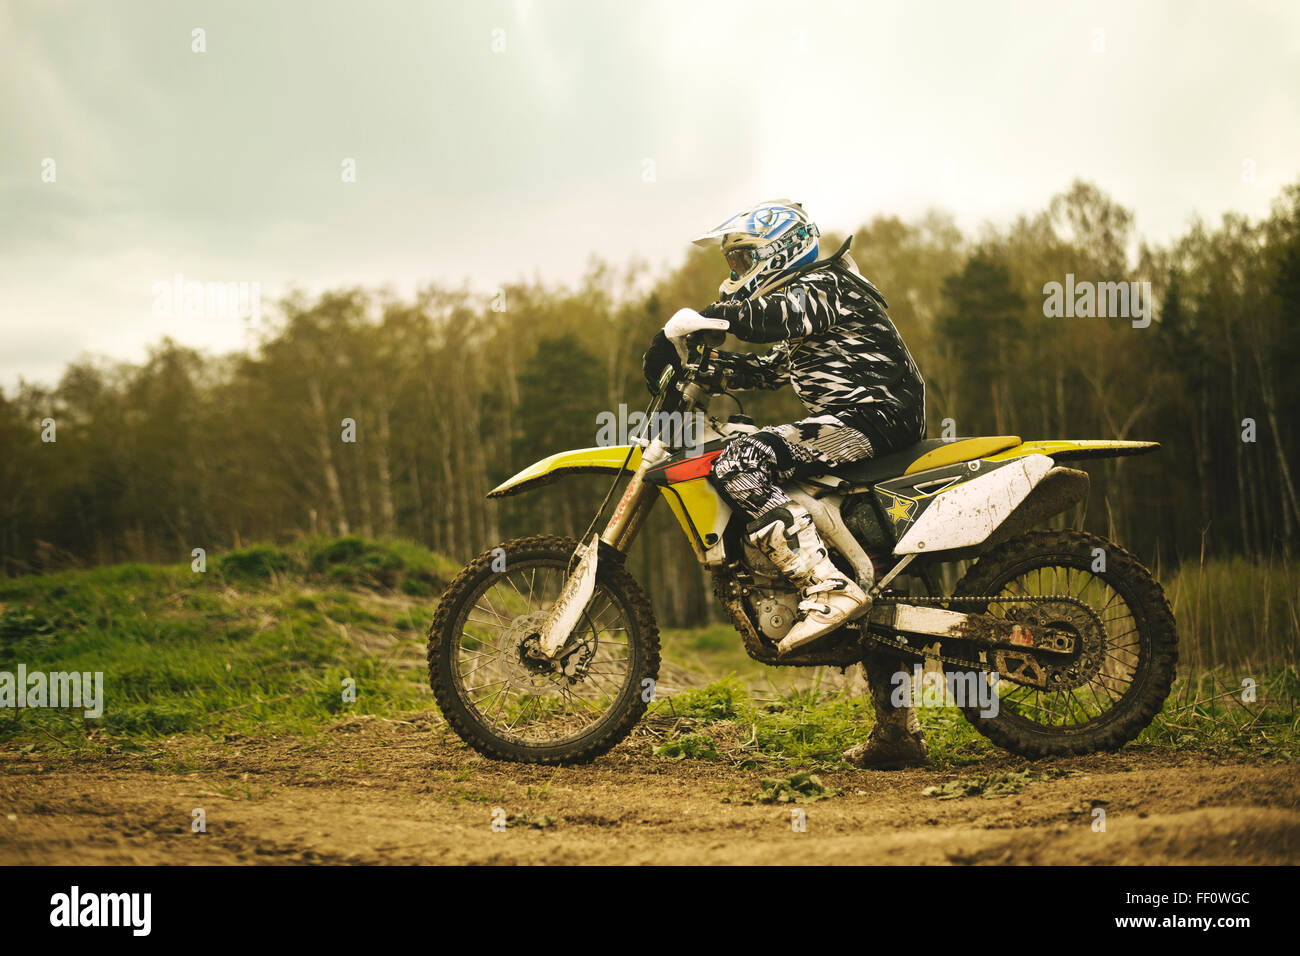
(607, 460)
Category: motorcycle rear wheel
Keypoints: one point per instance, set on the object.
(509, 706)
(1132, 669)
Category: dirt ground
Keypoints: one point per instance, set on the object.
(378, 791)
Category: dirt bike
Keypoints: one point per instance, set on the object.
(545, 649)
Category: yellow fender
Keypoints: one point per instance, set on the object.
(580, 461)
(1075, 450)
(696, 504)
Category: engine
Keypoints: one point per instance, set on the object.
(774, 611)
(772, 603)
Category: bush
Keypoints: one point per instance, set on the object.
(256, 563)
(376, 564)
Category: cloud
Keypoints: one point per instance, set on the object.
(482, 166)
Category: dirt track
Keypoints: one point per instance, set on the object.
(374, 791)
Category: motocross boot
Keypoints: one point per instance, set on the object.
(896, 740)
(789, 539)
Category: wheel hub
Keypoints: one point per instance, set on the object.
(1090, 635)
(525, 635)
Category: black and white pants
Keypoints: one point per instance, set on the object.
(751, 468)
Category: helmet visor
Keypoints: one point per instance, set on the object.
(741, 260)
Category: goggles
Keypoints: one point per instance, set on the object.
(741, 260)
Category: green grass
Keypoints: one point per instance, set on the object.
(1207, 713)
(1232, 611)
(801, 787)
(688, 746)
(261, 643)
(715, 649)
(809, 729)
(802, 728)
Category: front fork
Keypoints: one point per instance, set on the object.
(638, 498)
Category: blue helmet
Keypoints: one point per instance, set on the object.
(762, 242)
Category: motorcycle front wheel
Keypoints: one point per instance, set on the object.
(507, 704)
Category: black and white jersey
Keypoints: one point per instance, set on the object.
(839, 351)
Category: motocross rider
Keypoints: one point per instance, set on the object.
(835, 345)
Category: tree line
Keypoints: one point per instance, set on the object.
(452, 391)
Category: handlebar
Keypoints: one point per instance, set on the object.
(691, 386)
(690, 382)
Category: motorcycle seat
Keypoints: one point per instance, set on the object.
(930, 453)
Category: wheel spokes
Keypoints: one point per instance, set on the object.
(1119, 657)
(519, 698)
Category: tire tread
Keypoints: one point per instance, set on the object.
(616, 577)
(1157, 630)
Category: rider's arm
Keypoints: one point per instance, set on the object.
(805, 308)
(744, 370)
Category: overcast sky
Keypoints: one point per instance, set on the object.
(484, 165)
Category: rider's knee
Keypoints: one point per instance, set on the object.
(759, 452)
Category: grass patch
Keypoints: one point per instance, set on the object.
(1222, 711)
(801, 787)
(713, 649)
(993, 785)
(688, 747)
(349, 561)
(252, 646)
(803, 727)
(1205, 713)
(263, 643)
(1236, 612)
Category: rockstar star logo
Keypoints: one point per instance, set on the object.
(901, 510)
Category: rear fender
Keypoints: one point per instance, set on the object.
(1076, 450)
